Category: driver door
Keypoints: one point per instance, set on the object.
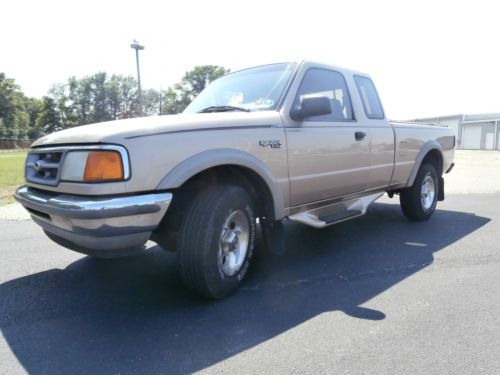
(328, 155)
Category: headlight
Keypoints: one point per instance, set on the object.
(93, 166)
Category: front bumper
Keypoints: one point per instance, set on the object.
(104, 227)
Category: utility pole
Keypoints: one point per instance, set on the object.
(135, 45)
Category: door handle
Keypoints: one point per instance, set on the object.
(359, 136)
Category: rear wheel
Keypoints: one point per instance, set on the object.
(418, 202)
(216, 241)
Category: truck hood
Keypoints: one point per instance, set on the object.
(117, 131)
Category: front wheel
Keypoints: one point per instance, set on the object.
(216, 241)
(418, 202)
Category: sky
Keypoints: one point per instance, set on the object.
(427, 58)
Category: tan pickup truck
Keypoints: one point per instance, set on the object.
(304, 141)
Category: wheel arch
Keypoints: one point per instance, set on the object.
(233, 166)
(431, 152)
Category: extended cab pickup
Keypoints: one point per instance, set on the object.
(308, 142)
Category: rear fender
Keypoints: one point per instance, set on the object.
(426, 148)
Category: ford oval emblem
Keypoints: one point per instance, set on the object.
(37, 165)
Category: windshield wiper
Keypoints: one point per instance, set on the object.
(223, 108)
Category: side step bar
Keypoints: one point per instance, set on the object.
(340, 216)
(350, 210)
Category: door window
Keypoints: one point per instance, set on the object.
(322, 82)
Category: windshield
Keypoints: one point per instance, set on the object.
(253, 89)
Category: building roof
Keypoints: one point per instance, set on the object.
(481, 121)
(465, 118)
(482, 117)
(437, 118)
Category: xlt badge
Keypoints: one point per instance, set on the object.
(274, 143)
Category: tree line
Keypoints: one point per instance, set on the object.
(94, 98)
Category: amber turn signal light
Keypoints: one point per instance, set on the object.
(103, 166)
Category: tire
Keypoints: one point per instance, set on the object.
(216, 241)
(418, 202)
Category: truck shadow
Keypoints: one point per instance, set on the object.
(132, 315)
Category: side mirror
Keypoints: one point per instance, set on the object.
(310, 107)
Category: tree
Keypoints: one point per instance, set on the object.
(151, 102)
(95, 98)
(59, 93)
(3, 129)
(197, 79)
(91, 99)
(176, 99)
(13, 113)
(114, 96)
(33, 106)
(100, 109)
(172, 102)
(129, 104)
(80, 97)
(49, 118)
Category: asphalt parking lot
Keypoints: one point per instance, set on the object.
(376, 295)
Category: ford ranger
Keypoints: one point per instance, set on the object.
(306, 142)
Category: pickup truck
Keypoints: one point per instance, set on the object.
(307, 142)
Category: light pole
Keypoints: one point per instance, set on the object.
(135, 45)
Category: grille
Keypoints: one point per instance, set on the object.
(43, 167)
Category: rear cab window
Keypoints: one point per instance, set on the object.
(369, 97)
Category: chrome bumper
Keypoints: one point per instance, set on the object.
(107, 227)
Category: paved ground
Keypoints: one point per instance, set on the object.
(375, 295)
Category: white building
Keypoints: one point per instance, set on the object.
(473, 132)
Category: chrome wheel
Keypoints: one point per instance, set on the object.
(234, 242)
(427, 192)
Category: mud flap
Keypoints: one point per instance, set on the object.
(273, 233)
(441, 189)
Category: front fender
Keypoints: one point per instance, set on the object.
(213, 158)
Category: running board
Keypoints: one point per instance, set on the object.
(351, 209)
(340, 216)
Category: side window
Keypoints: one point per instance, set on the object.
(369, 97)
(322, 82)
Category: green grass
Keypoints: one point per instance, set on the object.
(11, 174)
